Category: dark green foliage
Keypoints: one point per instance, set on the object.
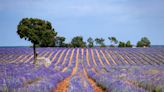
(144, 42)
(59, 41)
(111, 46)
(113, 41)
(90, 42)
(139, 44)
(100, 42)
(122, 44)
(78, 42)
(37, 31)
(128, 44)
(68, 45)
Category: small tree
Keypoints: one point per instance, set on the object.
(59, 41)
(144, 42)
(37, 31)
(100, 42)
(122, 44)
(90, 42)
(128, 44)
(78, 42)
(113, 41)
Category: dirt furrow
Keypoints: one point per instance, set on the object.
(63, 85)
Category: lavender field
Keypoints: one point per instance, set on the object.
(82, 70)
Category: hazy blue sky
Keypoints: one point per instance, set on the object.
(124, 19)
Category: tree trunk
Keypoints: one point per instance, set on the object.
(35, 55)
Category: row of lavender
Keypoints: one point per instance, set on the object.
(31, 78)
(115, 77)
(23, 76)
(119, 78)
(129, 78)
(103, 56)
(117, 56)
(145, 75)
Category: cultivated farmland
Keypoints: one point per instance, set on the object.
(82, 70)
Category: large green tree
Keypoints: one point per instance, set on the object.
(90, 42)
(100, 42)
(144, 42)
(78, 42)
(37, 31)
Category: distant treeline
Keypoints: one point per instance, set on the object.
(97, 42)
(42, 34)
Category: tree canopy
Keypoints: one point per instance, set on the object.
(90, 42)
(144, 42)
(128, 44)
(59, 41)
(122, 44)
(37, 31)
(100, 42)
(78, 42)
(113, 41)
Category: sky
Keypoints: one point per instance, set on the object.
(124, 19)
